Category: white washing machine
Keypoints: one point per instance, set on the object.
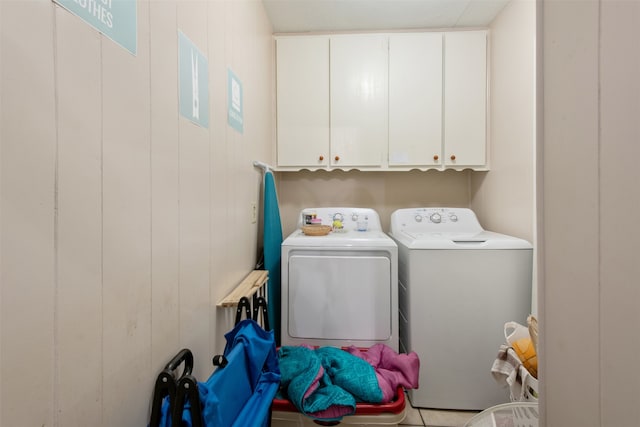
(340, 289)
(458, 286)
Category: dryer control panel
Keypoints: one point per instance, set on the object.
(437, 219)
(360, 219)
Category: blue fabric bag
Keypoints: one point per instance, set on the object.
(239, 392)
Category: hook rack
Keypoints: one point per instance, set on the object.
(262, 165)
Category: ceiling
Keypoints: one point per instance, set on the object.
(296, 16)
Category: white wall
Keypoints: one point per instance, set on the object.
(503, 198)
(122, 224)
(589, 321)
(383, 191)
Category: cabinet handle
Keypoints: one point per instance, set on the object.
(453, 157)
(321, 158)
(436, 157)
(337, 158)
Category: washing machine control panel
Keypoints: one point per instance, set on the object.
(435, 220)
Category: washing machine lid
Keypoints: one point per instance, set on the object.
(469, 241)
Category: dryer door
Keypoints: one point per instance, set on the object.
(340, 297)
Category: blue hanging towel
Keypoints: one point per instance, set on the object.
(272, 241)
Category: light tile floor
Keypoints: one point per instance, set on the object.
(435, 418)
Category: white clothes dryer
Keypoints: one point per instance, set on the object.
(340, 289)
(458, 286)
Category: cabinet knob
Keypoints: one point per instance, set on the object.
(436, 157)
(337, 158)
(453, 157)
(321, 158)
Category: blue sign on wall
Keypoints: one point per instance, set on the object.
(193, 76)
(234, 102)
(116, 19)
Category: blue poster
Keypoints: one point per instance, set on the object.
(116, 19)
(234, 102)
(193, 76)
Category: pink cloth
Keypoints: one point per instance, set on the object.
(392, 369)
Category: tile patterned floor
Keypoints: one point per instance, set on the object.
(436, 418)
(413, 418)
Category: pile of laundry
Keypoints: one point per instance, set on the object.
(326, 383)
(516, 364)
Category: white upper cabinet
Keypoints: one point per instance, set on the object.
(359, 101)
(465, 99)
(415, 100)
(302, 79)
(396, 101)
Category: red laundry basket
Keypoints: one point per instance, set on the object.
(285, 414)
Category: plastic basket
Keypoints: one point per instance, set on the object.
(515, 414)
(529, 391)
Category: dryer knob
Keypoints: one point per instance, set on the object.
(418, 218)
(453, 218)
(354, 217)
(435, 218)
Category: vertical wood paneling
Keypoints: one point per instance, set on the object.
(234, 139)
(620, 202)
(27, 124)
(571, 217)
(221, 277)
(243, 144)
(165, 299)
(261, 108)
(2, 225)
(265, 53)
(79, 343)
(127, 372)
(109, 258)
(194, 212)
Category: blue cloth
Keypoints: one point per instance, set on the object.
(272, 242)
(240, 393)
(326, 381)
(351, 373)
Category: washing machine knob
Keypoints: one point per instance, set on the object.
(418, 218)
(354, 217)
(454, 218)
(435, 218)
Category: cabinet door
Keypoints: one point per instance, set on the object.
(302, 79)
(359, 102)
(415, 99)
(465, 98)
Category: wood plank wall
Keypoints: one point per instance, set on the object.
(122, 224)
